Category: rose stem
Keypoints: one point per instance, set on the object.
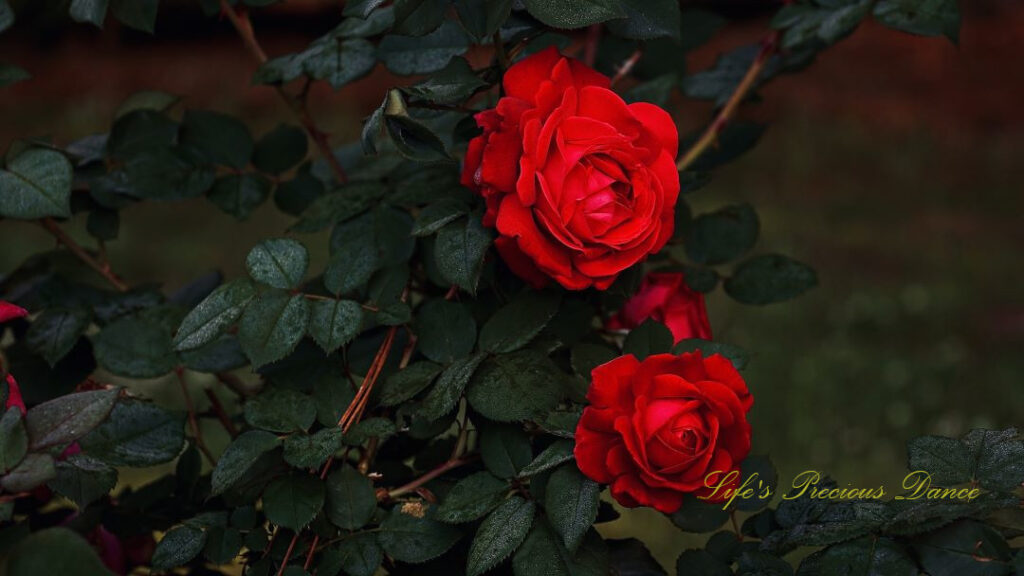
(243, 25)
(192, 421)
(104, 269)
(768, 47)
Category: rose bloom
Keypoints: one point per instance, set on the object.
(579, 184)
(665, 297)
(654, 430)
(9, 311)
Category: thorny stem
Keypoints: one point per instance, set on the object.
(288, 553)
(222, 414)
(312, 550)
(53, 228)
(193, 423)
(412, 486)
(243, 25)
(768, 47)
(590, 49)
(627, 66)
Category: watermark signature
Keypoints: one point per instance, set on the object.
(726, 487)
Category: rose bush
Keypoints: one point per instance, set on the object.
(661, 428)
(482, 349)
(579, 184)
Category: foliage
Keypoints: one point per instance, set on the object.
(411, 405)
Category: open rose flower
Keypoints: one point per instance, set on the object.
(665, 297)
(654, 430)
(579, 184)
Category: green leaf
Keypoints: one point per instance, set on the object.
(220, 138)
(13, 439)
(997, 458)
(361, 8)
(280, 410)
(153, 100)
(414, 139)
(240, 194)
(10, 74)
(278, 262)
(280, 150)
(723, 235)
(455, 83)
(520, 321)
(63, 420)
(356, 555)
(178, 546)
(407, 55)
(351, 265)
(699, 516)
(272, 325)
(703, 563)
(807, 24)
(334, 323)
(409, 382)
(542, 554)
(418, 17)
(311, 451)
(138, 14)
(505, 449)
(482, 18)
(135, 347)
(56, 331)
(238, 456)
(571, 501)
(557, 453)
(924, 17)
(572, 14)
(516, 386)
(735, 354)
(54, 551)
(647, 19)
(36, 184)
(370, 428)
(222, 545)
(415, 540)
(215, 313)
(500, 534)
(446, 330)
(137, 434)
(435, 216)
(449, 387)
(89, 11)
(351, 499)
(339, 63)
(649, 338)
(459, 252)
(868, 555)
(293, 501)
(83, 479)
(768, 279)
(6, 15)
(754, 563)
(965, 548)
(471, 498)
(586, 356)
(378, 22)
(33, 471)
(946, 459)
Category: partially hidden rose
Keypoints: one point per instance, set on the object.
(655, 429)
(8, 312)
(665, 297)
(579, 184)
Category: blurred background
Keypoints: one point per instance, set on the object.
(893, 165)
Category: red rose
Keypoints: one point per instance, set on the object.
(655, 429)
(14, 395)
(579, 184)
(665, 297)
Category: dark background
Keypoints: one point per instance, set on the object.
(893, 165)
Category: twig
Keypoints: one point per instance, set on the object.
(222, 414)
(243, 25)
(627, 66)
(735, 525)
(312, 550)
(590, 49)
(193, 423)
(53, 228)
(288, 553)
(768, 47)
(412, 486)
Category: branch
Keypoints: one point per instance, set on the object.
(627, 66)
(768, 47)
(53, 228)
(243, 25)
(412, 486)
(193, 423)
